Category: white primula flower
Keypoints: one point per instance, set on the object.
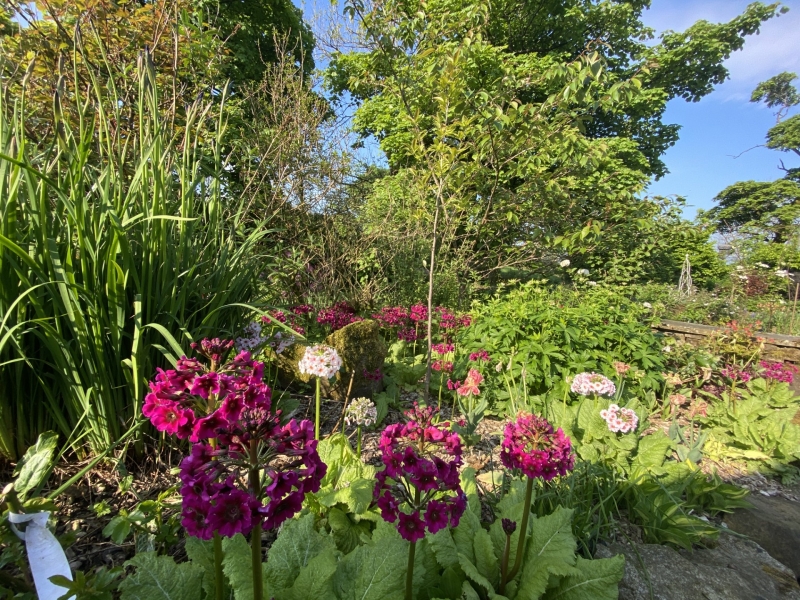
(763, 266)
(667, 349)
(584, 272)
(743, 277)
(647, 305)
(739, 268)
(564, 263)
(782, 273)
(591, 283)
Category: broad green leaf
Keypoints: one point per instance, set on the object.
(591, 580)
(160, 578)
(315, 581)
(471, 571)
(118, 529)
(346, 534)
(444, 548)
(373, 571)
(201, 553)
(485, 558)
(297, 543)
(652, 450)
(35, 465)
(465, 533)
(238, 567)
(550, 551)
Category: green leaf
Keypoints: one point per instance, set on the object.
(35, 465)
(550, 551)
(652, 450)
(345, 532)
(118, 529)
(591, 580)
(471, 571)
(159, 577)
(201, 553)
(315, 581)
(485, 558)
(373, 571)
(444, 548)
(297, 543)
(238, 568)
(357, 496)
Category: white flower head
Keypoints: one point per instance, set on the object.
(361, 412)
(739, 268)
(591, 283)
(564, 263)
(647, 305)
(320, 361)
(743, 277)
(667, 349)
(782, 273)
(763, 266)
(584, 272)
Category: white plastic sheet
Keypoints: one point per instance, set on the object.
(45, 555)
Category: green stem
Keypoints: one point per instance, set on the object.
(412, 550)
(255, 541)
(219, 578)
(523, 532)
(358, 448)
(504, 565)
(316, 417)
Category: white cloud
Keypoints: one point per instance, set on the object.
(774, 50)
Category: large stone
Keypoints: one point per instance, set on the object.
(773, 523)
(736, 569)
(361, 348)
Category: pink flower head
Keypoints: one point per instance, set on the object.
(734, 373)
(337, 316)
(443, 348)
(620, 420)
(320, 361)
(180, 399)
(418, 313)
(587, 384)
(778, 371)
(444, 366)
(420, 475)
(480, 356)
(471, 383)
(621, 368)
(530, 445)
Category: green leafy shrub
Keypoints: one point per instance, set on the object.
(544, 336)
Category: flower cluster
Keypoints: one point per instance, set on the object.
(375, 375)
(449, 322)
(212, 490)
(419, 485)
(586, 384)
(734, 373)
(408, 334)
(445, 366)
(443, 348)
(361, 412)
(620, 420)
(302, 309)
(418, 313)
(531, 445)
(778, 371)
(337, 316)
(320, 361)
(471, 383)
(290, 319)
(392, 316)
(182, 401)
(251, 338)
(621, 368)
(479, 356)
(280, 341)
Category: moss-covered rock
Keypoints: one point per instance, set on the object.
(361, 348)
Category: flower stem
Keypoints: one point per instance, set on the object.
(219, 578)
(358, 447)
(316, 416)
(523, 531)
(255, 541)
(412, 550)
(504, 564)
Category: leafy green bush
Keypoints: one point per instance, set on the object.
(544, 336)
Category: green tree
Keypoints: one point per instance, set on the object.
(767, 213)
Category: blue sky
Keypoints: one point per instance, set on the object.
(724, 123)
